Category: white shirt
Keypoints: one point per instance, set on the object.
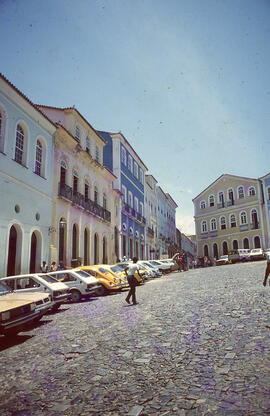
(132, 269)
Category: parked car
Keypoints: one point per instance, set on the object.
(156, 270)
(222, 260)
(15, 311)
(234, 256)
(173, 265)
(163, 267)
(80, 283)
(39, 282)
(116, 271)
(142, 271)
(109, 282)
(244, 254)
(257, 254)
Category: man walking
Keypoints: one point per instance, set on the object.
(130, 272)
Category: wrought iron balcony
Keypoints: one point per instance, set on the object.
(79, 199)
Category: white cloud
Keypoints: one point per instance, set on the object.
(185, 223)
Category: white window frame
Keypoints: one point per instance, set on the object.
(221, 223)
(141, 175)
(251, 189)
(213, 221)
(123, 155)
(211, 197)
(238, 193)
(141, 208)
(77, 133)
(97, 153)
(243, 216)
(202, 204)
(39, 158)
(136, 169)
(130, 199)
(87, 145)
(136, 204)
(268, 192)
(124, 192)
(231, 220)
(204, 227)
(129, 163)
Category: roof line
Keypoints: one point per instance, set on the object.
(26, 98)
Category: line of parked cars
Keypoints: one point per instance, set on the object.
(243, 255)
(26, 298)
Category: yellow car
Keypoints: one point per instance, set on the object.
(108, 280)
(117, 271)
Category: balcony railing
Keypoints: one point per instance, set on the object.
(254, 226)
(230, 202)
(133, 213)
(76, 198)
(221, 205)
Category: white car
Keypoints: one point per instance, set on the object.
(257, 254)
(80, 283)
(157, 272)
(39, 282)
(163, 267)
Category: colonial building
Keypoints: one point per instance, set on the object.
(26, 182)
(85, 220)
(229, 215)
(151, 240)
(166, 223)
(129, 169)
(265, 181)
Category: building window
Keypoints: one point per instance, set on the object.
(141, 208)
(268, 192)
(233, 221)
(213, 224)
(241, 192)
(243, 218)
(141, 175)
(104, 201)
(136, 170)
(235, 245)
(204, 226)
(130, 163)
(75, 181)
(77, 133)
(97, 154)
(2, 133)
(96, 195)
(202, 205)
(63, 171)
(19, 148)
(124, 194)
(86, 190)
(87, 145)
(223, 223)
(38, 164)
(230, 196)
(211, 201)
(251, 191)
(130, 199)
(221, 199)
(123, 156)
(136, 204)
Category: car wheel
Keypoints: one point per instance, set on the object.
(75, 296)
(101, 291)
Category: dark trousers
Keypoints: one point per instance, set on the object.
(132, 284)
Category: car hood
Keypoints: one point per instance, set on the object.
(12, 301)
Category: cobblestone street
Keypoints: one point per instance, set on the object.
(196, 344)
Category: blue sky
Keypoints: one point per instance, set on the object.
(186, 81)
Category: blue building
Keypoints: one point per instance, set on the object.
(121, 158)
(265, 181)
(26, 182)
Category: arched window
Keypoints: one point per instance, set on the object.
(240, 191)
(38, 165)
(232, 220)
(204, 226)
(230, 197)
(225, 248)
(213, 223)
(75, 181)
(257, 242)
(235, 244)
(205, 250)
(97, 154)
(254, 219)
(223, 223)
(211, 201)
(86, 190)
(77, 133)
(202, 204)
(221, 199)
(251, 191)
(96, 195)
(19, 147)
(215, 251)
(243, 218)
(246, 243)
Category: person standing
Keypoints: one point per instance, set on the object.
(130, 272)
(53, 267)
(267, 270)
(44, 267)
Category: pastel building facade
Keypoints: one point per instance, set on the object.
(229, 215)
(265, 183)
(26, 182)
(86, 219)
(129, 170)
(166, 223)
(151, 240)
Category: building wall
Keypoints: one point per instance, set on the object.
(26, 196)
(215, 225)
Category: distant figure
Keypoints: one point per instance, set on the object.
(61, 266)
(180, 263)
(130, 272)
(44, 267)
(267, 270)
(53, 267)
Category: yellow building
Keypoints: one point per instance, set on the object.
(228, 215)
(86, 214)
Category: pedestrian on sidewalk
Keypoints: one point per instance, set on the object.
(267, 270)
(44, 267)
(130, 272)
(53, 267)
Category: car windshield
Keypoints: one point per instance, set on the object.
(82, 273)
(4, 288)
(48, 278)
(116, 269)
(149, 264)
(256, 250)
(155, 262)
(101, 270)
